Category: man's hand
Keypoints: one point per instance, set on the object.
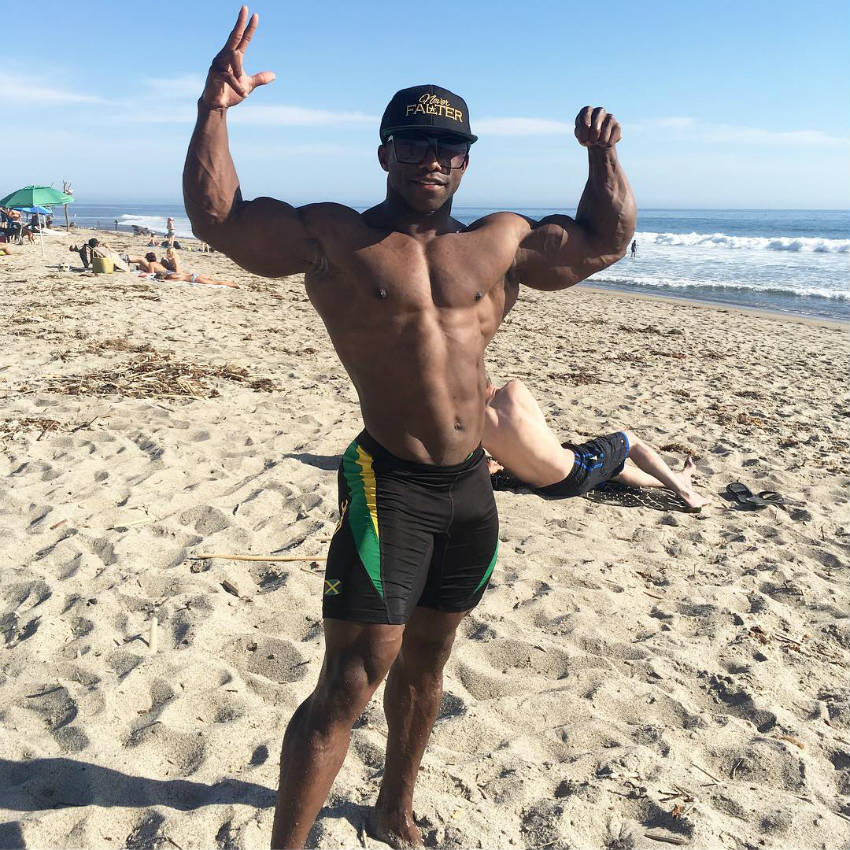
(227, 83)
(596, 128)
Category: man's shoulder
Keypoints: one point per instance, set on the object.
(326, 218)
(500, 220)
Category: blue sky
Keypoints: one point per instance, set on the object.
(724, 104)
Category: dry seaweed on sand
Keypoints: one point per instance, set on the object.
(120, 344)
(26, 423)
(578, 378)
(157, 376)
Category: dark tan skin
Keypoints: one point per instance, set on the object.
(410, 298)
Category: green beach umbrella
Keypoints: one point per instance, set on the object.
(36, 196)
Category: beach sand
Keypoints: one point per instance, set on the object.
(634, 677)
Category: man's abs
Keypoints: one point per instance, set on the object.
(410, 324)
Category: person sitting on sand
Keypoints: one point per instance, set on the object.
(171, 261)
(517, 436)
(5, 249)
(86, 251)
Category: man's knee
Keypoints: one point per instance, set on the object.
(351, 673)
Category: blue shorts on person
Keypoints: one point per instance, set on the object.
(596, 461)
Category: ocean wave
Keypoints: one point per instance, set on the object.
(158, 224)
(696, 286)
(799, 244)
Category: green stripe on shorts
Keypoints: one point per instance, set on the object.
(488, 570)
(363, 511)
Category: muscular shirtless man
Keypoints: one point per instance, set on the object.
(410, 297)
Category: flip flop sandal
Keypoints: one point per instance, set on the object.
(745, 497)
(771, 497)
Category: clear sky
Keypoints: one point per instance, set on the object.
(723, 104)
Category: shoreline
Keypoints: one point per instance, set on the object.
(760, 312)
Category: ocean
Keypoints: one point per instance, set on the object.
(785, 261)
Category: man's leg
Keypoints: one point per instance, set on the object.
(411, 702)
(357, 657)
(652, 464)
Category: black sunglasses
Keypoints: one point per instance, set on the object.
(450, 151)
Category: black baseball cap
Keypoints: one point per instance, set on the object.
(427, 107)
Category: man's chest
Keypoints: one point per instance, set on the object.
(453, 271)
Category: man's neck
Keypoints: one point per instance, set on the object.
(394, 214)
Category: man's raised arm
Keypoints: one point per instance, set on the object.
(265, 236)
(560, 251)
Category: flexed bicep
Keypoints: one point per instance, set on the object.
(556, 254)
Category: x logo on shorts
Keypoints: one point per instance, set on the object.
(332, 587)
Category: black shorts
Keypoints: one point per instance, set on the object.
(596, 462)
(409, 534)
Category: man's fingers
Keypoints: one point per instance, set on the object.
(597, 118)
(608, 124)
(249, 32)
(263, 78)
(236, 33)
(234, 83)
(236, 63)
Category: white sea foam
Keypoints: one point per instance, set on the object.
(158, 224)
(801, 244)
(703, 286)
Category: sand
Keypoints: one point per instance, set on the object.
(634, 677)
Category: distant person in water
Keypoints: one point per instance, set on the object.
(634, 248)
(518, 438)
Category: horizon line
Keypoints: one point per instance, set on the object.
(494, 206)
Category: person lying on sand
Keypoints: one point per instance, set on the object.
(194, 277)
(148, 264)
(518, 438)
(5, 249)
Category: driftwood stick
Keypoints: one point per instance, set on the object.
(709, 775)
(666, 839)
(153, 642)
(227, 557)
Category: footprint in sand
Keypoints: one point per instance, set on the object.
(270, 657)
(31, 592)
(58, 710)
(167, 749)
(205, 519)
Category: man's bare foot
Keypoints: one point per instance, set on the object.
(398, 830)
